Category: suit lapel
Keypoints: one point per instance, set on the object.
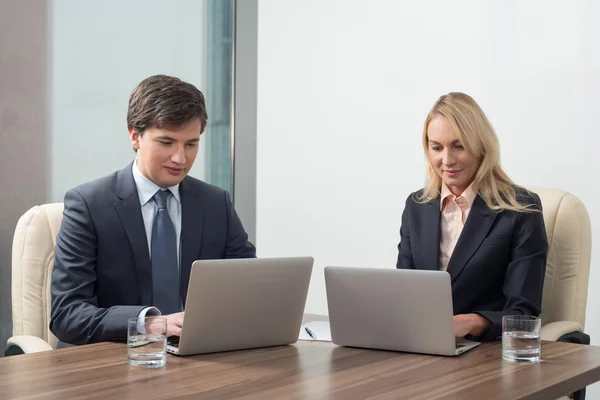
(129, 211)
(478, 224)
(191, 230)
(431, 236)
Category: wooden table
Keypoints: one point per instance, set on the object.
(305, 370)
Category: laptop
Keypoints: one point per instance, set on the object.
(239, 304)
(392, 309)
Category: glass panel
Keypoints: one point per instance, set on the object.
(101, 50)
(219, 85)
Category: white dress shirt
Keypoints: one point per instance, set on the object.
(146, 190)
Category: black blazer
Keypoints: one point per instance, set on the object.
(498, 265)
(102, 272)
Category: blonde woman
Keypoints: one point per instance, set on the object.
(472, 221)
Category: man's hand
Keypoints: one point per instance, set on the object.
(174, 324)
(473, 324)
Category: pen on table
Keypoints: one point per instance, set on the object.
(310, 333)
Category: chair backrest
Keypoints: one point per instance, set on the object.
(32, 263)
(570, 248)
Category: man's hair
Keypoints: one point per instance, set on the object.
(162, 101)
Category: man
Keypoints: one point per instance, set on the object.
(127, 241)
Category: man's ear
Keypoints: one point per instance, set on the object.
(135, 135)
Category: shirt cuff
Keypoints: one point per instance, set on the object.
(150, 312)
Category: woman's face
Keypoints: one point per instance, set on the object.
(452, 162)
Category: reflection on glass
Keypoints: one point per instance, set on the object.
(219, 85)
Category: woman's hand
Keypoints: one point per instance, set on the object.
(470, 324)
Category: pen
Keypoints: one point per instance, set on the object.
(310, 333)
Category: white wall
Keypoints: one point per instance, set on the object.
(100, 51)
(344, 87)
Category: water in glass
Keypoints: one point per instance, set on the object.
(147, 350)
(521, 346)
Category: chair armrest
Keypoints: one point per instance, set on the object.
(29, 344)
(554, 330)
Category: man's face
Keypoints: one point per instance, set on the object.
(166, 156)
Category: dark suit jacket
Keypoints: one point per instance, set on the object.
(102, 272)
(498, 265)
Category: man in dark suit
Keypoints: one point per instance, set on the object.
(128, 240)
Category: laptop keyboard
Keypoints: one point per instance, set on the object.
(173, 341)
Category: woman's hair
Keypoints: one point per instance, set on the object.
(476, 135)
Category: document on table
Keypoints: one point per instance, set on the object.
(315, 330)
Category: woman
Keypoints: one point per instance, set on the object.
(472, 221)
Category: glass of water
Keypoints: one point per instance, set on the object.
(147, 341)
(521, 340)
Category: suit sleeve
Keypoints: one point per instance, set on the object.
(405, 258)
(76, 317)
(524, 278)
(238, 245)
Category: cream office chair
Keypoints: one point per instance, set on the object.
(567, 269)
(32, 262)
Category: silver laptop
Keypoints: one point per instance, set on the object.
(243, 303)
(391, 309)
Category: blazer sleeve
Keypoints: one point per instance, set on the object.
(76, 317)
(405, 258)
(238, 245)
(524, 278)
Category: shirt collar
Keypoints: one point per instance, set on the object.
(146, 188)
(469, 195)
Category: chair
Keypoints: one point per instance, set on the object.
(567, 269)
(32, 263)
